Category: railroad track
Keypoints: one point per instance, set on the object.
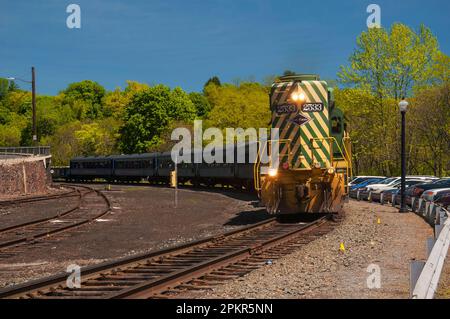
(91, 205)
(194, 266)
(29, 199)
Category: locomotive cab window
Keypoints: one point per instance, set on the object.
(336, 125)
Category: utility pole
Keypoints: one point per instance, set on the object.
(33, 102)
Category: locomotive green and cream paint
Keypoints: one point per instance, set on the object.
(314, 150)
(301, 124)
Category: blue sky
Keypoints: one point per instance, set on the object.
(183, 43)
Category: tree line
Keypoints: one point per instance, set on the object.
(386, 65)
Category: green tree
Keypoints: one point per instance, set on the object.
(201, 103)
(214, 80)
(49, 116)
(243, 106)
(64, 143)
(149, 114)
(4, 88)
(429, 131)
(9, 135)
(392, 62)
(85, 98)
(13, 86)
(97, 138)
(386, 66)
(18, 102)
(116, 101)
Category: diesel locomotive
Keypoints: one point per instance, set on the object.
(313, 156)
(314, 152)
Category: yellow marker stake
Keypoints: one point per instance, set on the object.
(342, 247)
(378, 221)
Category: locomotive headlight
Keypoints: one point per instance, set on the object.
(272, 172)
(296, 97)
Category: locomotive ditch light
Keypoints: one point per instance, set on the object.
(331, 170)
(273, 172)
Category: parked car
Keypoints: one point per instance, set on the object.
(364, 191)
(360, 179)
(388, 190)
(395, 181)
(367, 182)
(355, 188)
(418, 189)
(432, 194)
(443, 200)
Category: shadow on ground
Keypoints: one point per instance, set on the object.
(248, 218)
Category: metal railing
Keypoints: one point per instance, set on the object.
(425, 275)
(25, 150)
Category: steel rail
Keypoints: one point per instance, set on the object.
(89, 271)
(148, 289)
(50, 231)
(219, 251)
(30, 199)
(45, 219)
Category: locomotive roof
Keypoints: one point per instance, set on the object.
(299, 77)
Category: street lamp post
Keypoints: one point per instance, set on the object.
(33, 100)
(403, 105)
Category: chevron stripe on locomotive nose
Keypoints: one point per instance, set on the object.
(300, 136)
(279, 97)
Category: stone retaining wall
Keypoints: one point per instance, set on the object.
(23, 176)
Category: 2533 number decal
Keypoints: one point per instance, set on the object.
(312, 107)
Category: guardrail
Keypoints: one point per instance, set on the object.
(424, 275)
(26, 150)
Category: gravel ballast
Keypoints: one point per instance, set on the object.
(375, 238)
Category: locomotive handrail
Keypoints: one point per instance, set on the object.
(348, 164)
(257, 165)
(330, 140)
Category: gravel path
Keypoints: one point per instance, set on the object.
(374, 236)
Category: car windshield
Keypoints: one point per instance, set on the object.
(446, 182)
(442, 181)
(387, 180)
(358, 180)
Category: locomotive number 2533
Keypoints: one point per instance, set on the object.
(312, 107)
